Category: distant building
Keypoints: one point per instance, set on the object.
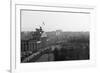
(58, 32)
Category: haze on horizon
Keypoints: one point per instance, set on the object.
(52, 21)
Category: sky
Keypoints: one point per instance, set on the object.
(54, 21)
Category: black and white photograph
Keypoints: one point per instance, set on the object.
(52, 36)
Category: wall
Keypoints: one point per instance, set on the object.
(5, 36)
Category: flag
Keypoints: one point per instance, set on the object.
(43, 23)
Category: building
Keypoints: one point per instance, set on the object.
(33, 41)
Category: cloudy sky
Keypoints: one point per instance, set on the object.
(54, 21)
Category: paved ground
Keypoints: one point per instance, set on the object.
(46, 57)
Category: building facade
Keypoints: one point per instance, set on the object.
(36, 41)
